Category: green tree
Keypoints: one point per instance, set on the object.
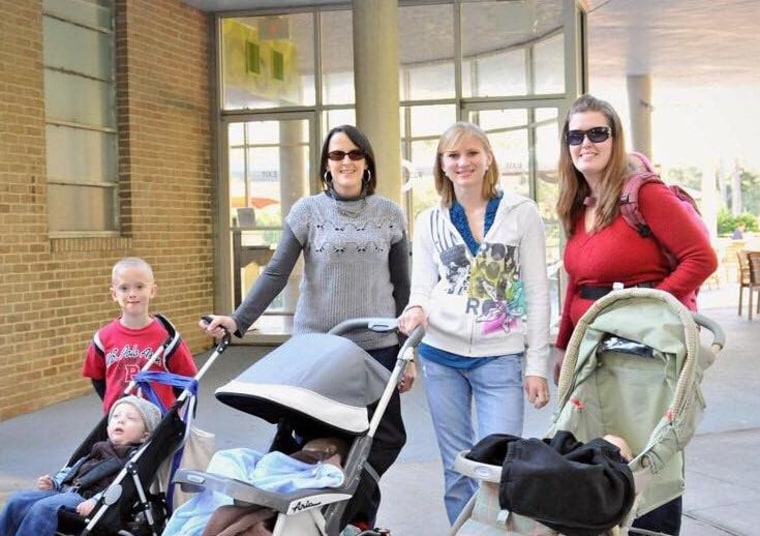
(750, 192)
(727, 222)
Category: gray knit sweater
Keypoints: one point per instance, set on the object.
(356, 264)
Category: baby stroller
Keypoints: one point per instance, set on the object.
(133, 504)
(313, 386)
(632, 369)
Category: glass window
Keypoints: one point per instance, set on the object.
(422, 126)
(80, 118)
(508, 131)
(85, 51)
(268, 172)
(266, 63)
(426, 72)
(334, 118)
(497, 39)
(337, 57)
(71, 98)
(546, 143)
(549, 65)
(500, 74)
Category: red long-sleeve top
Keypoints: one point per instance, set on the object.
(618, 253)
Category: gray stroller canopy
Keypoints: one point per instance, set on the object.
(324, 377)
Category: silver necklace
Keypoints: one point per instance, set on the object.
(343, 210)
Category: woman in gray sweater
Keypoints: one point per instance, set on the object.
(356, 264)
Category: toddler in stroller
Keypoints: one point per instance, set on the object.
(314, 386)
(78, 486)
(128, 500)
(633, 369)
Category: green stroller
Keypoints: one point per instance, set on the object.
(632, 369)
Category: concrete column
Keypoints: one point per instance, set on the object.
(376, 79)
(640, 108)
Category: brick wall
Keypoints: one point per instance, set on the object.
(55, 291)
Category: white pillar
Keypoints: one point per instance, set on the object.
(376, 79)
(640, 110)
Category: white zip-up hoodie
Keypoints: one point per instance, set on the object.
(494, 303)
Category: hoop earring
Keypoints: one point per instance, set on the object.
(327, 176)
(367, 176)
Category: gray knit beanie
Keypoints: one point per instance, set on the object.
(149, 412)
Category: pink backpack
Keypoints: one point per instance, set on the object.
(643, 172)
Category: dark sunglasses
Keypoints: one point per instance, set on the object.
(595, 135)
(355, 154)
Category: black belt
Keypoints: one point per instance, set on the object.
(594, 293)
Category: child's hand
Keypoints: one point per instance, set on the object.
(45, 482)
(84, 508)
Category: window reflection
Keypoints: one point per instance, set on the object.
(427, 72)
(265, 63)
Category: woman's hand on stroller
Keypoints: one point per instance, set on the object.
(537, 390)
(218, 325)
(407, 380)
(412, 317)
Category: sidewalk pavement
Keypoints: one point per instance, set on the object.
(723, 482)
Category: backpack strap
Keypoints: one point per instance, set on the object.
(629, 201)
(176, 339)
(638, 160)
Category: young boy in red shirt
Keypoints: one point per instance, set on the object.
(122, 347)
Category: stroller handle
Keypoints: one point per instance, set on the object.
(221, 346)
(379, 324)
(719, 337)
(414, 338)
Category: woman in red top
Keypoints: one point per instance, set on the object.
(603, 249)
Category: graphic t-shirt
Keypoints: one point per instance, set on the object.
(117, 353)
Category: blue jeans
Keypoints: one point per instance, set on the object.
(35, 512)
(497, 389)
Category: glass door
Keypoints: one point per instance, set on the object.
(268, 163)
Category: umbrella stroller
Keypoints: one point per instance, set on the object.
(313, 386)
(632, 369)
(132, 505)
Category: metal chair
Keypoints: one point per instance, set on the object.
(753, 261)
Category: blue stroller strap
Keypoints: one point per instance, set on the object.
(143, 381)
(145, 378)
